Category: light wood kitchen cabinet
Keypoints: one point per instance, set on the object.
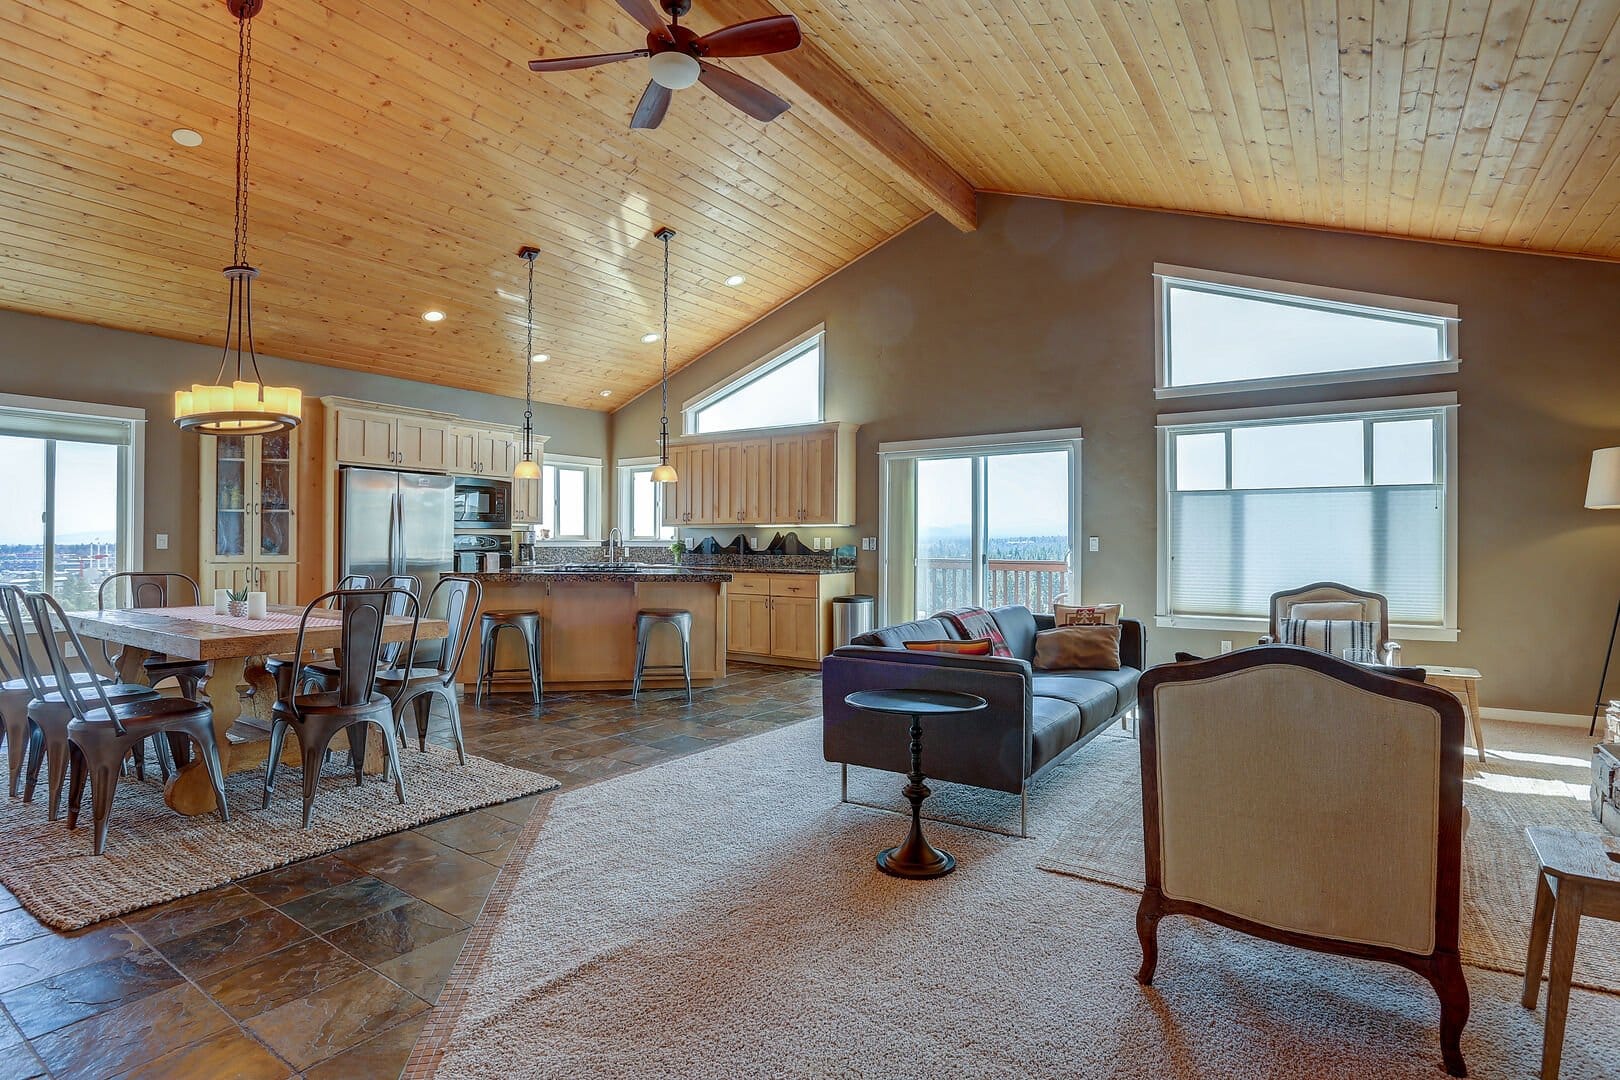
(785, 477)
(526, 498)
(485, 451)
(783, 618)
(406, 441)
(249, 525)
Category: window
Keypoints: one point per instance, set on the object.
(1221, 332)
(641, 502)
(69, 495)
(983, 522)
(780, 389)
(570, 494)
(1259, 501)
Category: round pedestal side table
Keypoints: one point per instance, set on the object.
(915, 857)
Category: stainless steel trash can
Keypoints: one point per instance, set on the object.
(852, 616)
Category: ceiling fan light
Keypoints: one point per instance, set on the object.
(527, 469)
(674, 70)
(665, 474)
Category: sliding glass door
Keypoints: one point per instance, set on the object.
(979, 525)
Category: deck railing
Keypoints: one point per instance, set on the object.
(948, 583)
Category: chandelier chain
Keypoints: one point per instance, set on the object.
(528, 367)
(663, 421)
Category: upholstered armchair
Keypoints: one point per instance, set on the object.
(1330, 602)
(1302, 799)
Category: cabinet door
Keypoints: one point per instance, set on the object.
(677, 497)
(700, 460)
(787, 479)
(364, 438)
(748, 626)
(793, 628)
(422, 444)
(727, 504)
(507, 452)
(278, 583)
(820, 503)
(525, 502)
(754, 502)
(484, 453)
(463, 450)
(275, 493)
(228, 529)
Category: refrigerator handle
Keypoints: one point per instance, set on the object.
(396, 538)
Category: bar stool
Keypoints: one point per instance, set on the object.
(490, 625)
(648, 618)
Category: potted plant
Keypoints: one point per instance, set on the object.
(236, 602)
(677, 549)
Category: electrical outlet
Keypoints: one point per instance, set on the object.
(1094, 543)
(161, 541)
(868, 543)
(1226, 646)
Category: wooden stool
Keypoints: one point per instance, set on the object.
(1579, 876)
(681, 620)
(490, 624)
(1463, 682)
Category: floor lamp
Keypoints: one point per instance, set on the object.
(1603, 493)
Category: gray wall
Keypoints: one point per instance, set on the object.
(1043, 318)
(42, 357)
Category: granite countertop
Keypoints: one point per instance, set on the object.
(522, 575)
(790, 570)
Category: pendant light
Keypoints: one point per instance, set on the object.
(528, 468)
(665, 473)
(244, 406)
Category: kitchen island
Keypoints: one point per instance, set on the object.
(588, 625)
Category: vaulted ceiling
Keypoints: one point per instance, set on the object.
(402, 152)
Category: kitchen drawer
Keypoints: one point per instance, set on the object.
(751, 584)
(795, 585)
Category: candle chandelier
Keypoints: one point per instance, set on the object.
(243, 406)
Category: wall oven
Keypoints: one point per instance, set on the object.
(483, 504)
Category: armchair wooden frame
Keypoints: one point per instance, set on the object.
(1443, 966)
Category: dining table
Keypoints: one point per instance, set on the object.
(239, 690)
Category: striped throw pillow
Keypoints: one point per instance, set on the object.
(1330, 635)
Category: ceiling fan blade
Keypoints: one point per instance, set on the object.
(652, 107)
(777, 33)
(573, 63)
(744, 94)
(644, 13)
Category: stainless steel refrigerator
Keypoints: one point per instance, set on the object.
(397, 523)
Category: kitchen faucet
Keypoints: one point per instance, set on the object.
(615, 547)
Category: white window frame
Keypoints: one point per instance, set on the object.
(1069, 439)
(1167, 276)
(1445, 403)
(756, 371)
(131, 485)
(592, 468)
(625, 516)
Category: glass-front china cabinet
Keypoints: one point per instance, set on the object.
(249, 514)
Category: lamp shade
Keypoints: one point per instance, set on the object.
(665, 474)
(527, 469)
(1603, 483)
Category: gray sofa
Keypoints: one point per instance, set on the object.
(1034, 719)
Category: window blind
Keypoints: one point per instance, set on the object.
(33, 424)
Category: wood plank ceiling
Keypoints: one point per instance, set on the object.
(402, 152)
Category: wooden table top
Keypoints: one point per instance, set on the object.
(190, 639)
(1588, 857)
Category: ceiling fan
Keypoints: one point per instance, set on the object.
(676, 59)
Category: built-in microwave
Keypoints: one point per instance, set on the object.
(483, 504)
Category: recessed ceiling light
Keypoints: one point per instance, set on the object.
(649, 338)
(605, 393)
(539, 358)
(186, 137)
(735, 279)
(433, 316)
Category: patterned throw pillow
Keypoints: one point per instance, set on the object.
(1330, 635)
(976, 647)
(1087, 615)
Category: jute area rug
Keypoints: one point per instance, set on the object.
(720, 917)
(154, 854)
(1530, 776)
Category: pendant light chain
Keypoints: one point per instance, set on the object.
(663, 421)
(529, 254)
(244, 107)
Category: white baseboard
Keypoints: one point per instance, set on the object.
(1531, 716)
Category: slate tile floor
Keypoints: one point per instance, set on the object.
(327, 968)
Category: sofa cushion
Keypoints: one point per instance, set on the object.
(1018, 628)
(1095, 698)
(1055, 726)
(895, 637)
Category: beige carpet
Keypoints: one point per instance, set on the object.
(1531, 776)
(720, 917)
(154, 854)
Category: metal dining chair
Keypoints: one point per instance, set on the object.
(279, 666)
(157, 590)
(352, 703)
(455, 599)
(103, 729)
(19, 674)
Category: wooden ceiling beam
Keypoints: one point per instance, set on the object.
(815, 83)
